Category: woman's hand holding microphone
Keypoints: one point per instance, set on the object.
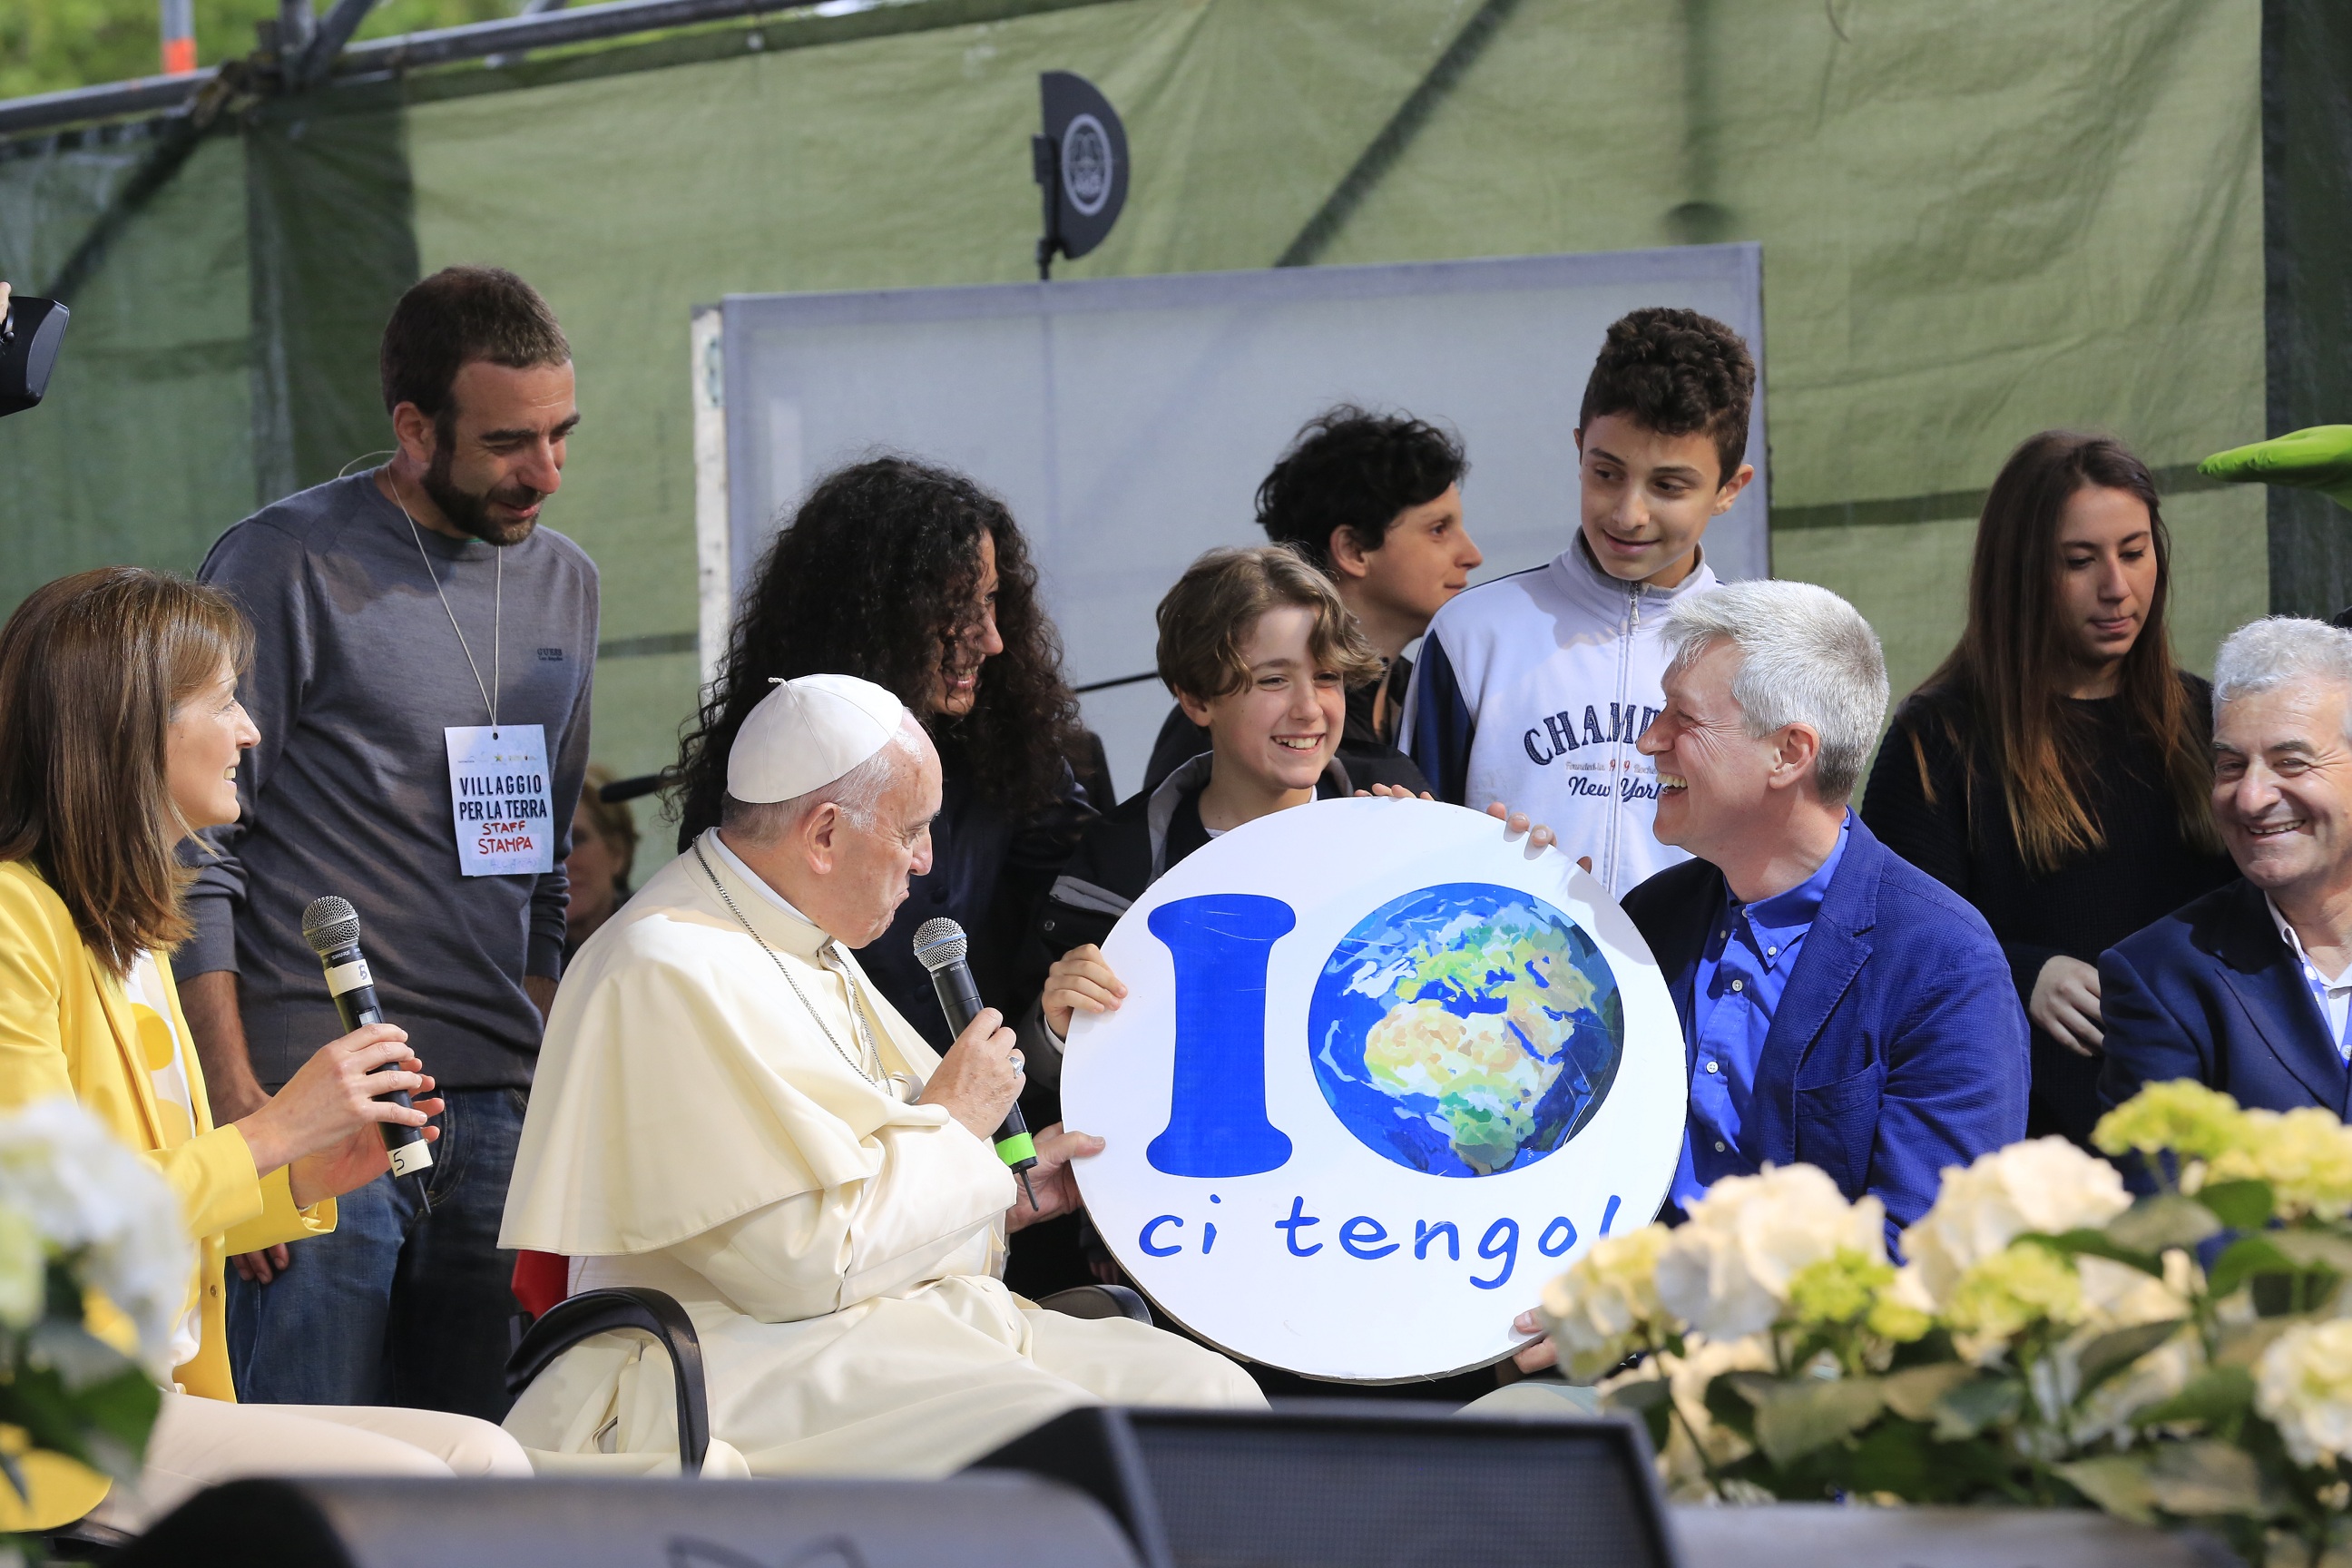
(325, 1123)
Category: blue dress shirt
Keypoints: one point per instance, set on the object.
(1749, 956)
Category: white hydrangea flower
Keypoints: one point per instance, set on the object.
(1596, 1310)
(82, 1190)
(2118, 1296)
(1726, 1271)
(1693, 1430)
(2303, 1385)
(2043, 1185)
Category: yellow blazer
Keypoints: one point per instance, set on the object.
(66, 1028)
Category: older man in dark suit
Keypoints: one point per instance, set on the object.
(2248, 989)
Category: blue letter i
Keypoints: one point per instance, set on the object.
(1216, 1113)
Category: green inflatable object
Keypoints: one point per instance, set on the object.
(2319, 458)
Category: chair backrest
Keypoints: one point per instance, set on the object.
(593, 1312)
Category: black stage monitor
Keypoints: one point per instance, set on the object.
(969, 1521)
(1322, 1484)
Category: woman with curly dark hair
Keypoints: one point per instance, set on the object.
(915, 578)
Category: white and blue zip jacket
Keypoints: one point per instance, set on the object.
(1531, 689)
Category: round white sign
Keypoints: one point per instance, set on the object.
(1086, 165)
(1382, 1071)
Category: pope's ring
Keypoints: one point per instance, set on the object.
(1019, 1064)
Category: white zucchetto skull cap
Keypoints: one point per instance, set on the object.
(808, 733)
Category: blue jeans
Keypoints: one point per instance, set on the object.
(397, 1307)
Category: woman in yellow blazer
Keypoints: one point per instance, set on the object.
(120, 736)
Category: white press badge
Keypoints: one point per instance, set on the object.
(1382, 1071)
(498, 794)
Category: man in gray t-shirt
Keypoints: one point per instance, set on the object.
(421, 674)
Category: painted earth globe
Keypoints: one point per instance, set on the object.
(1465, 1029)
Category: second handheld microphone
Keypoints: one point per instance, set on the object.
(331, 927)
(941, 947)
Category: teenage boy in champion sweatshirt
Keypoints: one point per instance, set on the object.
(1532, 689)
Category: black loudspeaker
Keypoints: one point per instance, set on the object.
(970, 1521)
(30, 334)
(1325, 1485)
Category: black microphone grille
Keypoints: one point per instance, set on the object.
(939, 943)
(329, 923)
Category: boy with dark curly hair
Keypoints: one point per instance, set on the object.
(1532, 689)
(1373, 501)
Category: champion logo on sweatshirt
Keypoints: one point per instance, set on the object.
(1534, 688)
(1560, 733)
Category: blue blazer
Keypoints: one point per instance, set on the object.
(1898, 1046)
(2210, 992)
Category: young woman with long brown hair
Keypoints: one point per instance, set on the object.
(120, 736)
(2053, 771)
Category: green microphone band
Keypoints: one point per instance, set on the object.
(1013, 1151)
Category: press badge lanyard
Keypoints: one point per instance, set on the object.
(497, 611)
(500, 802)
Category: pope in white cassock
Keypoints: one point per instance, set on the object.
(728, 1111)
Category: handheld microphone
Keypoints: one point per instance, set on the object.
(331, 927)
(941, 947)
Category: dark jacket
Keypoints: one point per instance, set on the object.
(1898, 1047)
(2211, 993)
(1368, 748)
(1932, 801)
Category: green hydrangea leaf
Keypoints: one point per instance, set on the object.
(1913, 1394)
(1732, 1399)
(2245, 1259)
(1976, 1404)
(36, 1399)
(1651, 1402)
(2166, 1220)
(2112, 1352)
(2315, 1249)
(2239, 1206)
(1631, 1397)
(1795, 1418)
(2215, 1399)
(2200, 1480)
(2098, 1243)
(2118, 1483)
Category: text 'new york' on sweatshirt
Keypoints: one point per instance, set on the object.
(1532, 689)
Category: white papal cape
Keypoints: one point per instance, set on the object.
(693, 1129)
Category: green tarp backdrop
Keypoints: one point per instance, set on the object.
(1979, 219)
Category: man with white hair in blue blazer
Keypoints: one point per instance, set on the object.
(1840, 1007)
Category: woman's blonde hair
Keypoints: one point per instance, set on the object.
(611, 821)
(1209, 614)
(92, 668)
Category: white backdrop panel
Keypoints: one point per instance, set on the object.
(1128, 421)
